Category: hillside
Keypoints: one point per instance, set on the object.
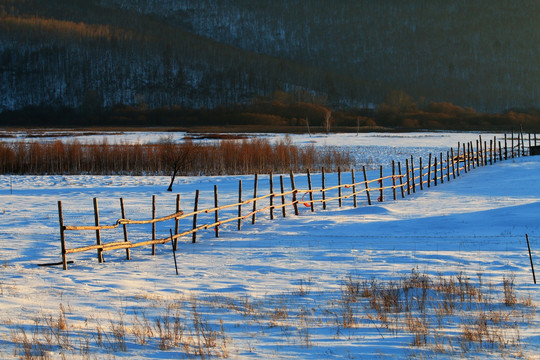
(149, 54)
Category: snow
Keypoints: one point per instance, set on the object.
(474, 224)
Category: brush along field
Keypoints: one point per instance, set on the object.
(442, 273)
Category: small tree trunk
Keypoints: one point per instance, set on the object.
(172, 179)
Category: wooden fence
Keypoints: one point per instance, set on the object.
(403, 180)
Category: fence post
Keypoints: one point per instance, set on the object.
(473, 159)
(518, 145)
(312, 205)
(124, 226)
(153, 223)
(367, 186)
(195, 209)
(465, 157)
(394, 179)
(470, 151)
(477, 160)
(485, 156)
(408, 176)
(173, 243)
(401, 180)
(323, 190)
(282, 196)
(517, 148)
(530, 257)
(442, 169)
(522, 143)
(469, 156)
(412, 175)
(435, 170)
(176, 221)
(98, 234)
(505, 147)
(495, 149)
(512, 142)
(295, 200)
(255, 197)
(421, 174)
(353, 188)
(216, 213)
(271, 196)
(447, 166)
(480, 151)
(381, 194)
(339, 186)
(483, 151)
(453, 163)
(491, 152)
(239, 204)
(62, 235)
(429, 172)
(458, 159)
(500, 151)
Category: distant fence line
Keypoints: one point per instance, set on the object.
(402, 181)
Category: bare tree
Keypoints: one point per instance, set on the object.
(326, 121)
(177, 156)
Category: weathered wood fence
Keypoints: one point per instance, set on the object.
(404, 179)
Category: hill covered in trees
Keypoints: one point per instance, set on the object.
(81, 59)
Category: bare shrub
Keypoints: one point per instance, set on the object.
(169, 329)
(304, 287)
(245, 156)
(509, 291)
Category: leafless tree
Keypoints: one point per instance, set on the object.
(177, 156)
(327, 120)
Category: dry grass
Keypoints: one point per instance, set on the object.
(431, 308)
(246, 156)
(451, 315)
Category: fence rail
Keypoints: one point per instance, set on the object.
(437, 171)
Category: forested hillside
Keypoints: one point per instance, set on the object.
(90, 55)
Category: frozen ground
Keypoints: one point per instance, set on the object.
(475, 224)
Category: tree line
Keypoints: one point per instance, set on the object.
(95, 55)
(282, 112)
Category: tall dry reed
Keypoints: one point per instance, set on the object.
(225, 157)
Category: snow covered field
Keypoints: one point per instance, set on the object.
(275, 289)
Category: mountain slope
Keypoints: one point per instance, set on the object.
(155, 53)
